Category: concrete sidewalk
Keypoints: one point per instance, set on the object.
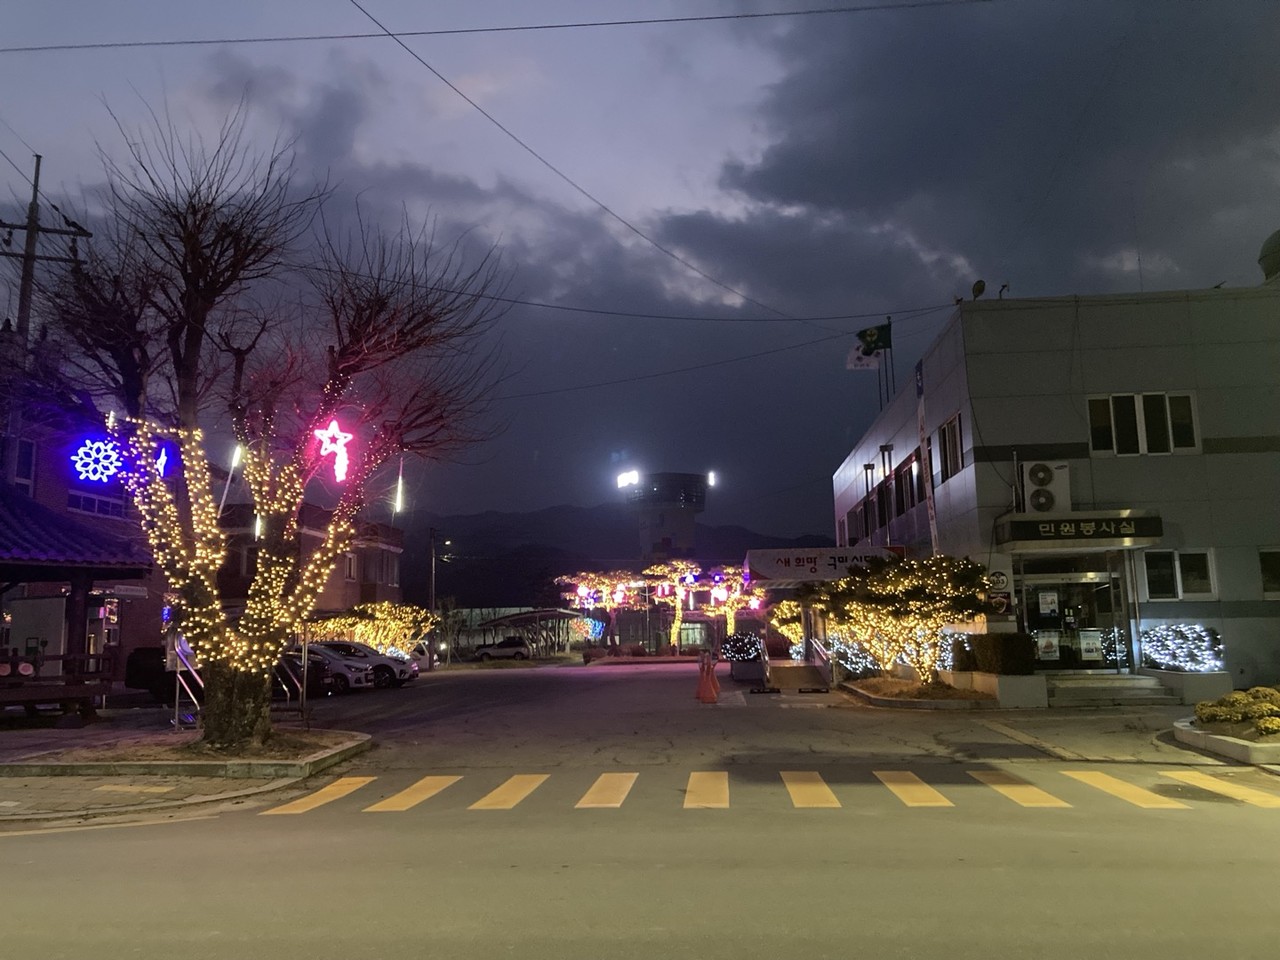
(37, 784)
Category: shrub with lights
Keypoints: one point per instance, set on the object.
(383, 626)
(741, 646)
(1186, 647)
(895, 609)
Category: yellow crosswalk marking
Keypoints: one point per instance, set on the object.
(808, 789)
(510, 793)
(424, 789)
(1128, 792)
(911, 790)
(1236, 791)
(707, 791)
(608, 792)
(1017, 789)
(334, 791)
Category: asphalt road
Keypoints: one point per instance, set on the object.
(599, 813)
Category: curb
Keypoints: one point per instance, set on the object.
(227, 769)
(904, 704)
(1233, 748)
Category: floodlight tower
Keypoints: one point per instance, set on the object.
(666, 505)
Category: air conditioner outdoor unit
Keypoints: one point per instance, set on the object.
(1046, 486)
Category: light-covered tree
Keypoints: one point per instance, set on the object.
(606, 592)
(672, 583)
(729, 593)
(206, 298)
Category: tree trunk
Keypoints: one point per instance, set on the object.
(237, 707)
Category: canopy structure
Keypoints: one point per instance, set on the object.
(540, 623)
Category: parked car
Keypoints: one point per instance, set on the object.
(512, 648)
(427, 654)
(286, 678)
(389, 670)
(349, 673)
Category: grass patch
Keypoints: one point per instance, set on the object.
(906, 690)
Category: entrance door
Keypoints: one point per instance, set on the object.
(1074, 621)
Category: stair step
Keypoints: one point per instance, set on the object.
(1152, 701)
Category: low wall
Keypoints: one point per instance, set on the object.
(746, 670)
(1013, 693)
(1192, 687)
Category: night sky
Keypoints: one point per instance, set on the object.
(814, 173)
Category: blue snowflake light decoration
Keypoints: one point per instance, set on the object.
(97, 460)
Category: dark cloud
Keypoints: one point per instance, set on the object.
(905, 154)
(1035, 140)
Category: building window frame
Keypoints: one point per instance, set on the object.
(349, 568)
(24, 466)
(1269, 568)
(1157, 423)
(1184, 575)
(95, 505)
(950, 448)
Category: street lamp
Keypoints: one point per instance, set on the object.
(431, 588)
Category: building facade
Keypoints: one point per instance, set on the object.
(1113, 460)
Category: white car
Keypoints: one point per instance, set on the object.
(389, 670)
(349, 673)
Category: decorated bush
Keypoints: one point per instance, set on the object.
(740, 646)
(1187, 647)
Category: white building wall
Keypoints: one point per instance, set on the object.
(1019, 372)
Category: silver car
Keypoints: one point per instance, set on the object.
(388, 670)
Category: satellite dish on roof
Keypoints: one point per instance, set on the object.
(979, 286)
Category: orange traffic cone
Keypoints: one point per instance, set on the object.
(715, 681)
(709, 694)
(702, 680)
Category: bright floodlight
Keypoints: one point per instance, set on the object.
(628, 479)
(711, 479)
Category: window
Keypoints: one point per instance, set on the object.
(949, 448)
(98, 506)
(350, 572)
(1269, 560)
(1130, 424)
(24, 467)
(1178, 574)
(249, 560)
(908, 485)
(393, 566)
(842, 533)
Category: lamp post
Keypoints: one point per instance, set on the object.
(431, 586)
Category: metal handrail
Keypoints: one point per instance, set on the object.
(185, 665)
(821, 659)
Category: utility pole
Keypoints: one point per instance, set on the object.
(26, 287)
(29, 257)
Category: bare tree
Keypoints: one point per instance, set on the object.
(167, 319)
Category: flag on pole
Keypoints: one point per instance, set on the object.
(865, 354)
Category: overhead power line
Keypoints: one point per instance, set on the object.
(518, 28)
(564, 176)
(698, 366)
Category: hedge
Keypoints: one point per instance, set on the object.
(1010, 654)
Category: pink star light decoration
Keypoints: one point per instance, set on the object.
(334, 441)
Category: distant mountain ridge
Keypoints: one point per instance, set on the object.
(510, 559)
